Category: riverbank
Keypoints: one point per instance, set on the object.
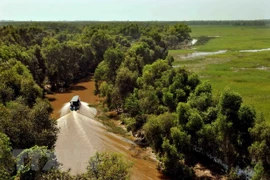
(76, 129)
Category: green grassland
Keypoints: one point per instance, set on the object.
(233, 37)
(245, 73)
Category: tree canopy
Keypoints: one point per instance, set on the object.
(174, 111)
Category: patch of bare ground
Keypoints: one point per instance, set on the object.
(203, 173)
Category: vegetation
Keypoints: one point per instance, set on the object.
(108, 166)
(245, 72)
(176, 111)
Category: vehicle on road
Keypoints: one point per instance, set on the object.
(75, 103)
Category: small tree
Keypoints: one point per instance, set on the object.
(108, 166)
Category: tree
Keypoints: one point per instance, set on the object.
(113, 58)
(132, 30)
(158, 127)
(7, 162)
(26, 127)
(125, 81)
(100, 42)
(154, 71)
(201, 99)
(108, 166)
(17, 81)
(260, 149)
(131, 105)
(35, 161)
(173, 162)
(36, 64)
(149, 101)
(176, 34)
(232, 126)
(63, 61)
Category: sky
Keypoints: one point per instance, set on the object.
(133, 10)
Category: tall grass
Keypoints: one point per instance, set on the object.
(246, 73)
(232, 37)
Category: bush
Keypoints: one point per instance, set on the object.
(108, 166)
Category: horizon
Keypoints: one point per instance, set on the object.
(139, 10)
(129, 20)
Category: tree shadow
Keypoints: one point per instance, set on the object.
(77, 88)
(51, 99)
(89, 78)
(215, 168)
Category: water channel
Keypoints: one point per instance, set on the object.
(81, 135)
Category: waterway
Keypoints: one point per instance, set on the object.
(81, 135)
(199, 54)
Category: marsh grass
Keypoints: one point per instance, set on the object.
(245, 73)
(232, 37)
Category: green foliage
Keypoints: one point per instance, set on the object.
(130, 123)
(230, 103)
(26, 127)
(35, 161)
(57, 174)
(260, 147)
(194, 123)
(176, 34)
(132, 106)
(172, 163)
(158, 127)
(201, 99)
(153, 71)
(180, 115)
(148, 100)
(6, 159)
(108, 166)
(113, 58)
(101, 72)
(260, 172)
(100, 42)
(181, 140)
(131, 30)
(232, 125)
(183, 111)
(16, 81)
(125, 81)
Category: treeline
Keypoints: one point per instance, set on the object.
(33, 56)
(265, 22)
(78, 24)
(60, 54)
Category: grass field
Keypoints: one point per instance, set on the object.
(245, 73)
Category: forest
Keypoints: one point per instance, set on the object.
(174, 111)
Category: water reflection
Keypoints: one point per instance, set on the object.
(199, 54)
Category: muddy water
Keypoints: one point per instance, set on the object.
(199, 54)
(81, 136)
(84, 89)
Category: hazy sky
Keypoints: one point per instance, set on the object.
(141, 10)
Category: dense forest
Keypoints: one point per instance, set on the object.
(175, 113)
